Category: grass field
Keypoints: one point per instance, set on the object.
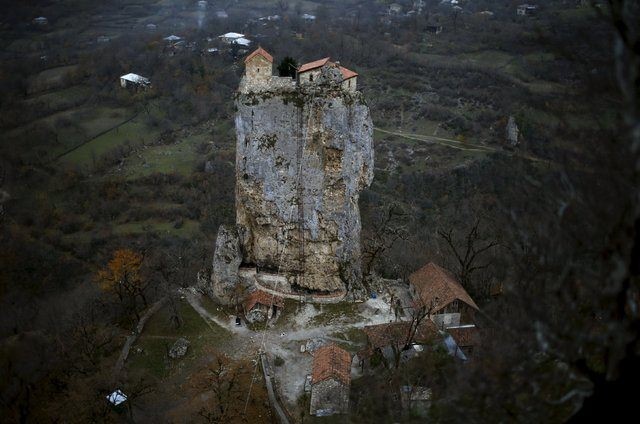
(179, 158)
(150, 350)
(187, 229)
(50, 78)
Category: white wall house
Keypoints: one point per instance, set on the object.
(134, 80)
(230, 37)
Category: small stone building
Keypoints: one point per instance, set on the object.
(448, 302)
(350, 79)
(309, 73)
(330, 381)
(259, 66)
(313, 73)
(261, 306)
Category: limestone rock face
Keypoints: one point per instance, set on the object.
(226, 261)
(303, 156)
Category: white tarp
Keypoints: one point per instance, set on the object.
(117, 397)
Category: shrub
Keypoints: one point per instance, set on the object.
(278, 361)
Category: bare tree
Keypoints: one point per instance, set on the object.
(470, 252)
(389, 227)
(283, 5)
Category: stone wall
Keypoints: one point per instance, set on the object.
(259, 69)
(256, 85)
(329, 397)
(351, 84)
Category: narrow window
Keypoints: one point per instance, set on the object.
(310, 77)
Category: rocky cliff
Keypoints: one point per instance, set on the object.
(303, 156)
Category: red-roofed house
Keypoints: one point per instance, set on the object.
(350, 79)
(310, 73)
(446, 300)
(259, 65)
(260, 306)
(330, 381)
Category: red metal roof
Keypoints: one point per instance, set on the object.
(347, 73)
(259, 51)
(331, 361)
(397, 333)
(263, 298)
(313, 65)
(437, 286)
(465, 335)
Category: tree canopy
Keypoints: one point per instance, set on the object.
(288, 67)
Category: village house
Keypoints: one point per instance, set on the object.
(40, 20)
(151, 27)
(309, 73)
(243, 42)
(172, 38)
(526, 10)
(447, 302)
(389, 340)
(230, 37)
(134, 81)
(330, 381)
(260, 306)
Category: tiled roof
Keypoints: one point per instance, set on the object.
(331, 361)
(313, 65)
(347, 73)
(396, 333)
(263, 298)
(259, 51)
(435, 284)
(464, 336)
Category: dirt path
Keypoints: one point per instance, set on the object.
(448, 142)
(285, 338)
(194, 300)
(135, 333)
(459, 145)
(74, 148)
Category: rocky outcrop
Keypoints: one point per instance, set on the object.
(512, 132)
(226, 261)
(303, 156)
(179, 348)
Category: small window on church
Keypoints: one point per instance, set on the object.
(349, 83)
(310, 77)
(258, 70)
